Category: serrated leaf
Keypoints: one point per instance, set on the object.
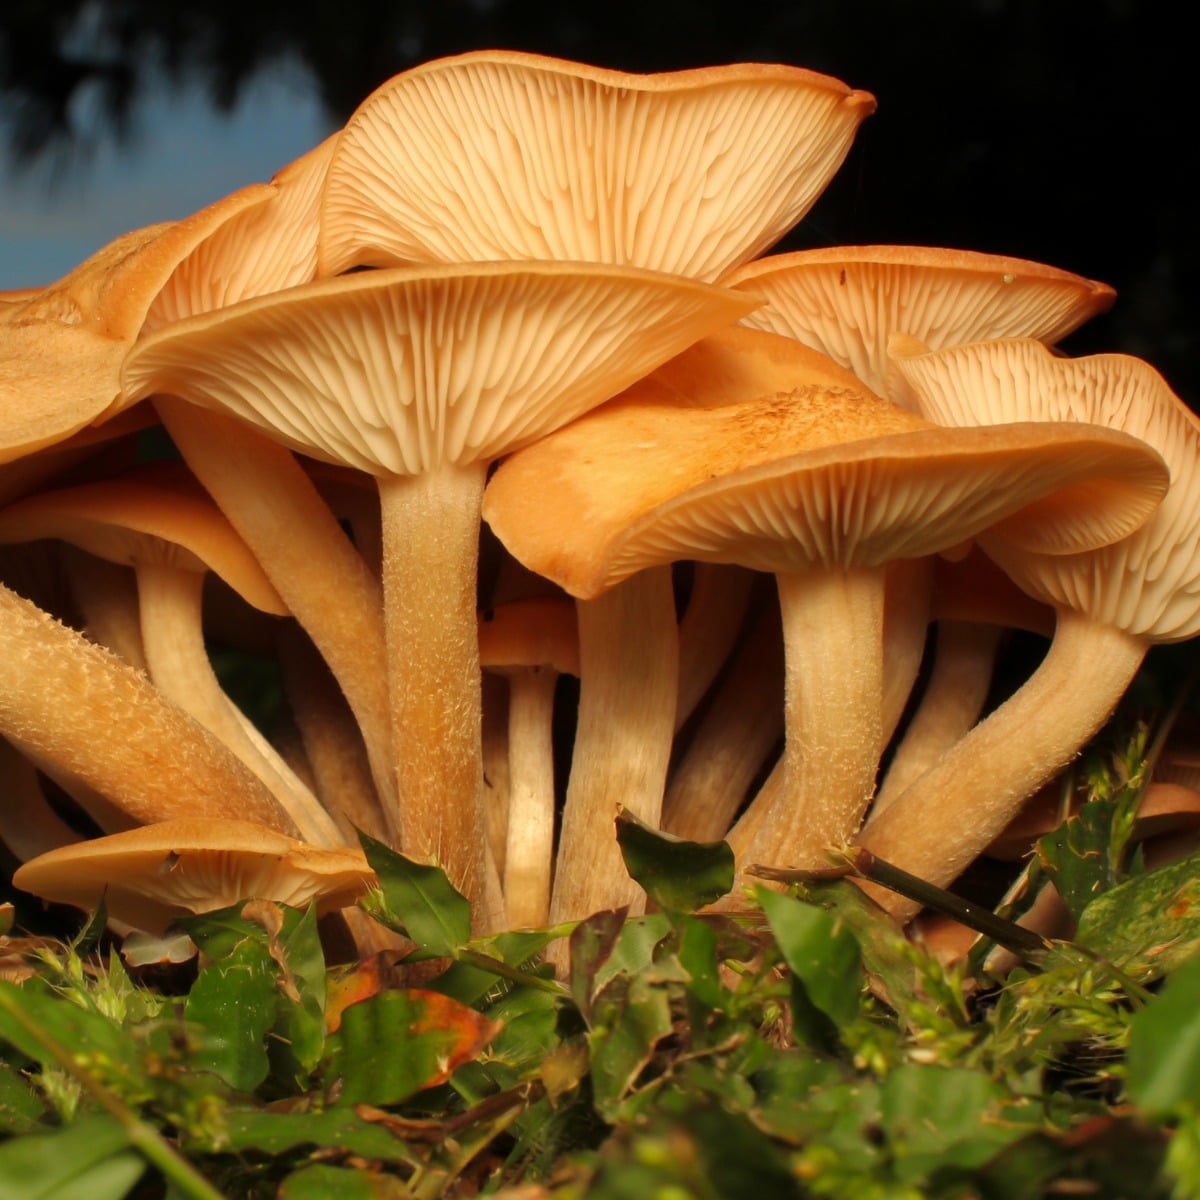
(400, 1042)
(1163, 1063)
(87, 1160)
(678, 875)
(1148, 925)
(1078, 857)
(419, 900)
(821, 952)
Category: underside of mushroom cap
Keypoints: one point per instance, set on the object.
(395, 372)
(150, 875)
(501, 155)
(847, 300)
(792, 481)
(1148, 583)
(61, 348)
(154, 515)
(264, 248)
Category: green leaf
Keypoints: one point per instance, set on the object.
(937, 1117)
(29, 1016)
(678, 875)
(399, 1042)
(346, 1183)
(278, 1133)
(630, 1017)
(419, 900)
(1163, 1064)
(88, 1160)
(1148, 925)
(21, 1109)
(232, 1009)
(592, 943)
(821, 952)
(1079, 855)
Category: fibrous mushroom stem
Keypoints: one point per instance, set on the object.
(833, 694)
(739, 729)
(963, 661)
(629, 662)
(177, 659)
(709, 629)
(948, 816)
(529, 847)
(430, 562)
(305, 553)
(72, 703)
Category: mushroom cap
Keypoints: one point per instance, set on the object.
(817, 476)
(501, 155)
(396, 372)
(263, 248)
(533, 633)
(156, 514)
(1148, 582)
(150, 875)
(61, 348)
(848, 300)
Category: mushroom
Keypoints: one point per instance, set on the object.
(847, 301)
(72, 704)
(157, 520)
(499, 155)
(531, 642)
(150, 876)
(1112, 602)
(422, 377)
(822, 486)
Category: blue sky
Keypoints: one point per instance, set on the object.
(183, 157)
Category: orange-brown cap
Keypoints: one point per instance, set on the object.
(150, 875)
(848, 300)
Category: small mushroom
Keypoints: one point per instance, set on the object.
(149, 876)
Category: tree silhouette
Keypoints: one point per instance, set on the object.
(1055, 131)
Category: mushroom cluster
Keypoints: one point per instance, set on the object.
(537, 292)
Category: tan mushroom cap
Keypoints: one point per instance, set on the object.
(848, 300)
(1148, 583)
(157, 514)
(264, 248)
(501, 155)
(61, 349)
(815, 476)
(395, 372)
(151, 875)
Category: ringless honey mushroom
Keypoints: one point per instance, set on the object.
(823, 487)
(150, 876)
(423, 377)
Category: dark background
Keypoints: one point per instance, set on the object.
(1058, 130)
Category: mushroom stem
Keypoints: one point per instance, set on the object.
(276, 508)
(529, 849)
(74, 704)
(957, 689)
(177, 659)
(430, 557)
(948, 816)
(735, 737)
(628, 671)
(833, 695)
